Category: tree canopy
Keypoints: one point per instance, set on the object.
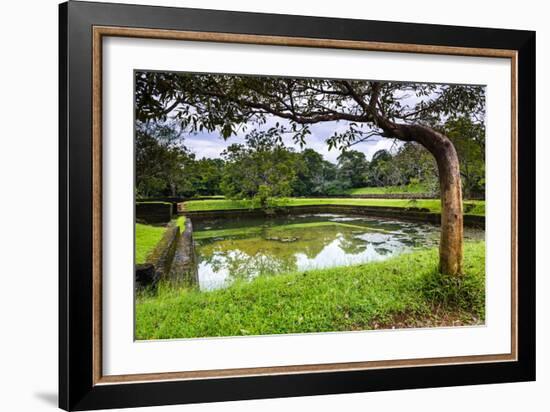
(229, 103)
(161, 159)
(262, 168)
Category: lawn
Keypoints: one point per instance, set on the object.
(471, 207)
(147, 237)
(384, 190)
(405, 291)
(180, 222)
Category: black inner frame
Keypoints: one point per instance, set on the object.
(76, 388)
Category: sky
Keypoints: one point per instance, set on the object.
(211, 144)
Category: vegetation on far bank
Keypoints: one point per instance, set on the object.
(405, 291)
(414, 187)
(263, 165)
(471, 207)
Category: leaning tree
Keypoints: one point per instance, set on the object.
(408, 112)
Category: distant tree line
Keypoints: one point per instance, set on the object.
(263, 167)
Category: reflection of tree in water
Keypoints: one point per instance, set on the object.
(310, 241)
(271, 253)
(383, 251)
(241, 265)
(350, 244)
(418, 236)
(275, 250)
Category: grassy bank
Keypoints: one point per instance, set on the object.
(147, 237)
(471, 207)
(384, 190)
(180, 222)
(405, 291)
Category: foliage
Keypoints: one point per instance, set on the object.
(468, 138)
(315, 175)
(261, 169)
(229, 103)
(205, 175)
(166, 167)
(413, 187)
(352, 167)
(161, 160)
(410, 164)
(405, 291)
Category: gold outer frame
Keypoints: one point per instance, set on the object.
(102, 31)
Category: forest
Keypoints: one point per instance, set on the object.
(263, 167)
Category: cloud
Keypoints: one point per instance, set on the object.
(211, 144)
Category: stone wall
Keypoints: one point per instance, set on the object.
(154, 212)
(173, 259)
(146, 275)
(173, 200)
(410, 214)
(160, 260)
(184, 265)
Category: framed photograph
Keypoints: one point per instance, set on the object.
(256, 205)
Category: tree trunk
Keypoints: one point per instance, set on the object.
(451, 242)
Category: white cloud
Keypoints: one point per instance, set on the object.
(211, 144)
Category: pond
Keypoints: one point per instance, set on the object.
(245, 247)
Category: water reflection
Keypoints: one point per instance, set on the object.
(243, 248)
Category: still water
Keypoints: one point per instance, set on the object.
(246, 247)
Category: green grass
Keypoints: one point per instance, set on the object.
(210, 196)
(153, 202)
(215, 204)
(471, 207)
(411, 188)
(147, 237)
(405, 291)
(180, 222)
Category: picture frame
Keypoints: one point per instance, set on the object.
(82, 383)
